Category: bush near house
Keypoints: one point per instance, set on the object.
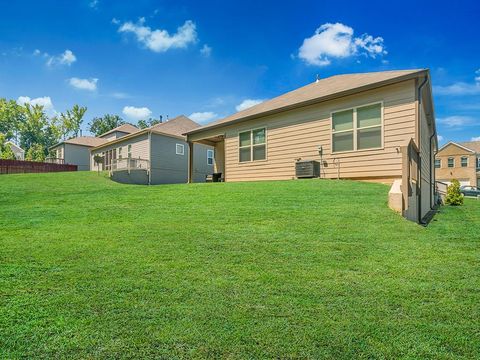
(454, 196)
(318, 269)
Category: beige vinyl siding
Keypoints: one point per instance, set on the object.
(140, 149)
(298, 133)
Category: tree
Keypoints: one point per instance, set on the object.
(71, 121)
(454, 196)
(142, 124)
(98, 160)
(32, 129)
(36, 152)
(11, 117)
(107, 122)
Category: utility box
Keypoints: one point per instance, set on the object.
(307, 169)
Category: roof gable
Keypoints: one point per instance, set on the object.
(126, 128)
(452, 143)
(176, 126)
(15, 147)
(473, 145)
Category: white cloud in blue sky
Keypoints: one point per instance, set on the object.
(66, 58)
(137, 113)
(203, 117)
(83, 84)
(206, 50)
(332, 41)
(248, 103)
(160, 40)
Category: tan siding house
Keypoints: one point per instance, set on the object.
(356, 126)
(459, 161)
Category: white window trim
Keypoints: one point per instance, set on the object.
(439, 163)
(355, 128)
(448, 166)
(210, 151)
(251, 145)
(478, 162)
(461, 160)
(182, 147)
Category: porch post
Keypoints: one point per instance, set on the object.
(190, 162)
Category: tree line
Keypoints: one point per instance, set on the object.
(35, 132)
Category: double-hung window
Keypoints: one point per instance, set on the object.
(464, 161)
(180, 149)
(252, 145)
(210, 157)
(120, 152)
(438, 163)
(478, 163)
(129, 151)
(451, 162)
(359, 128)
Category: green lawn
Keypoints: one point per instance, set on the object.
(295, 269)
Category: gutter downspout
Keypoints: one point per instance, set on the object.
(149, 158)
(419, 170)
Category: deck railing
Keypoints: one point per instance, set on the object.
(52, 160)
(129, 164)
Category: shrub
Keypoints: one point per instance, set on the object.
(454, 197)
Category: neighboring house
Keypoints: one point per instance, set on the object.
(17, 150)
(372, 126)
(75, 151)
(459, 161)
(119, 131)
(155, 155)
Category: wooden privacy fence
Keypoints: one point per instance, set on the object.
(20, 167)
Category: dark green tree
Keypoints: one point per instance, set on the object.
(142, 124)
(107, 122)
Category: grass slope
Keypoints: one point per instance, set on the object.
(296, 269)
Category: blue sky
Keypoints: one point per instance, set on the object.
(208, 58)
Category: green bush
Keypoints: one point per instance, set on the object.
(454, 197)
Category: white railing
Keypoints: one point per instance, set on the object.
(52, 160)
(129, 164)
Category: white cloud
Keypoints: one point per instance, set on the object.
(460, 88)
(206, 50)
(93, 4)
(37, 52)
(439, 138)
(203, 117)
(248, 103)
(477, 138)
(44, 101)
(66, 58)
(457, 121)
(160, 40)
(84, 84)
(337, 41)
(137, 113)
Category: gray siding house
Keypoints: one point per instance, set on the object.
(155, 155)
(74, 151)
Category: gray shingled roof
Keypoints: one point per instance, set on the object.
(176, 126)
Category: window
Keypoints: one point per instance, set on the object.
(180, 149)
(252, 145)
(464, 161)
(478, 163)
(357, 129)
(129, 151)
(209, 157)
(438, 163)
(120, 152)
(451, 162)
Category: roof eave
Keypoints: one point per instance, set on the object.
(314, 101)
